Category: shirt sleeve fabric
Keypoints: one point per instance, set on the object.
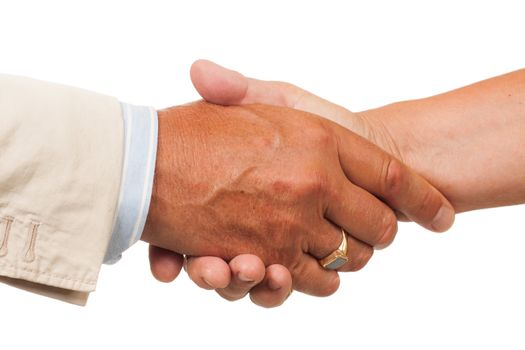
(60, 178)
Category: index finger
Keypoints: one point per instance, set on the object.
(383, 175)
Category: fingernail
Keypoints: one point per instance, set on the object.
(443, 219)
(244, 278)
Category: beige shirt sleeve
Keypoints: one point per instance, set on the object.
(61, 153)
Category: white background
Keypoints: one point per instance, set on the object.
(462, 289)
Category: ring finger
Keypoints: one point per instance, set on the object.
(358, 252)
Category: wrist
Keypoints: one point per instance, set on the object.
(415, 133)
(179, 178)
(164, 176)
(448, 141)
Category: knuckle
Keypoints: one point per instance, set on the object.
(330, 287)
(291, 94)
(311, 183)
(428, 206)
(298, 270)
(320, 136)
(361, 259)
(388, 231)
(304, 281)
(393, 177)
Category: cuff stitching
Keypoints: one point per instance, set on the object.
(67, 280)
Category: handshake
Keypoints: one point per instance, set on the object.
(266, 188)
(262, 188)
(286, 187)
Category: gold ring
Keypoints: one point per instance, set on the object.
(338, 257)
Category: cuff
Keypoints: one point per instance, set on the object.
(140, 150)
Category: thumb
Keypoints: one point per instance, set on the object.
(219, 85)
(223, 86)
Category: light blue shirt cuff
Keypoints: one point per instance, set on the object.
(140, 150)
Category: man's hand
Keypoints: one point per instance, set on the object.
(479, 131)
(279, 183)
(246, 273)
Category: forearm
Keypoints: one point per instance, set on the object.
(470, 142)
